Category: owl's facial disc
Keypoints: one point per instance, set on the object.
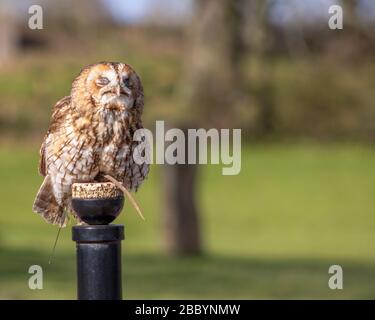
(111, 90)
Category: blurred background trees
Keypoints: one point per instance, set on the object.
(262, 48)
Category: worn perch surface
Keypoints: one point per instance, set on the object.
(102, 190)
(97, 203)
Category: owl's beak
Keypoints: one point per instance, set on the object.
(118, 90)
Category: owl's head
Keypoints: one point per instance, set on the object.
(110, 85)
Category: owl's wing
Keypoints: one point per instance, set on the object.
(135, 173)
(59, 112)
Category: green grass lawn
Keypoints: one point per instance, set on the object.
(270, 232)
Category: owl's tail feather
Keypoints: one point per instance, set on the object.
(46, 205)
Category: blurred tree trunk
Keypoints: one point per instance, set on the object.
(210, 87)
(350, 14)
(352, 23)
(256, 31)
(181, 219)
(8, 37)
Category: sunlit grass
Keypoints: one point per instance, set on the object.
(270, 232)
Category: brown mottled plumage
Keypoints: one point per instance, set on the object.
(91, 135)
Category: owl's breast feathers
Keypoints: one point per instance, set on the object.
(81, 142)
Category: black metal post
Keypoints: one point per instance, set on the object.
(99, 261)
(98, 243)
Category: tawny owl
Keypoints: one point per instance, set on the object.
(91, 135)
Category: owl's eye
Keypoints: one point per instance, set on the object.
(102, 81)
(126, 82)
